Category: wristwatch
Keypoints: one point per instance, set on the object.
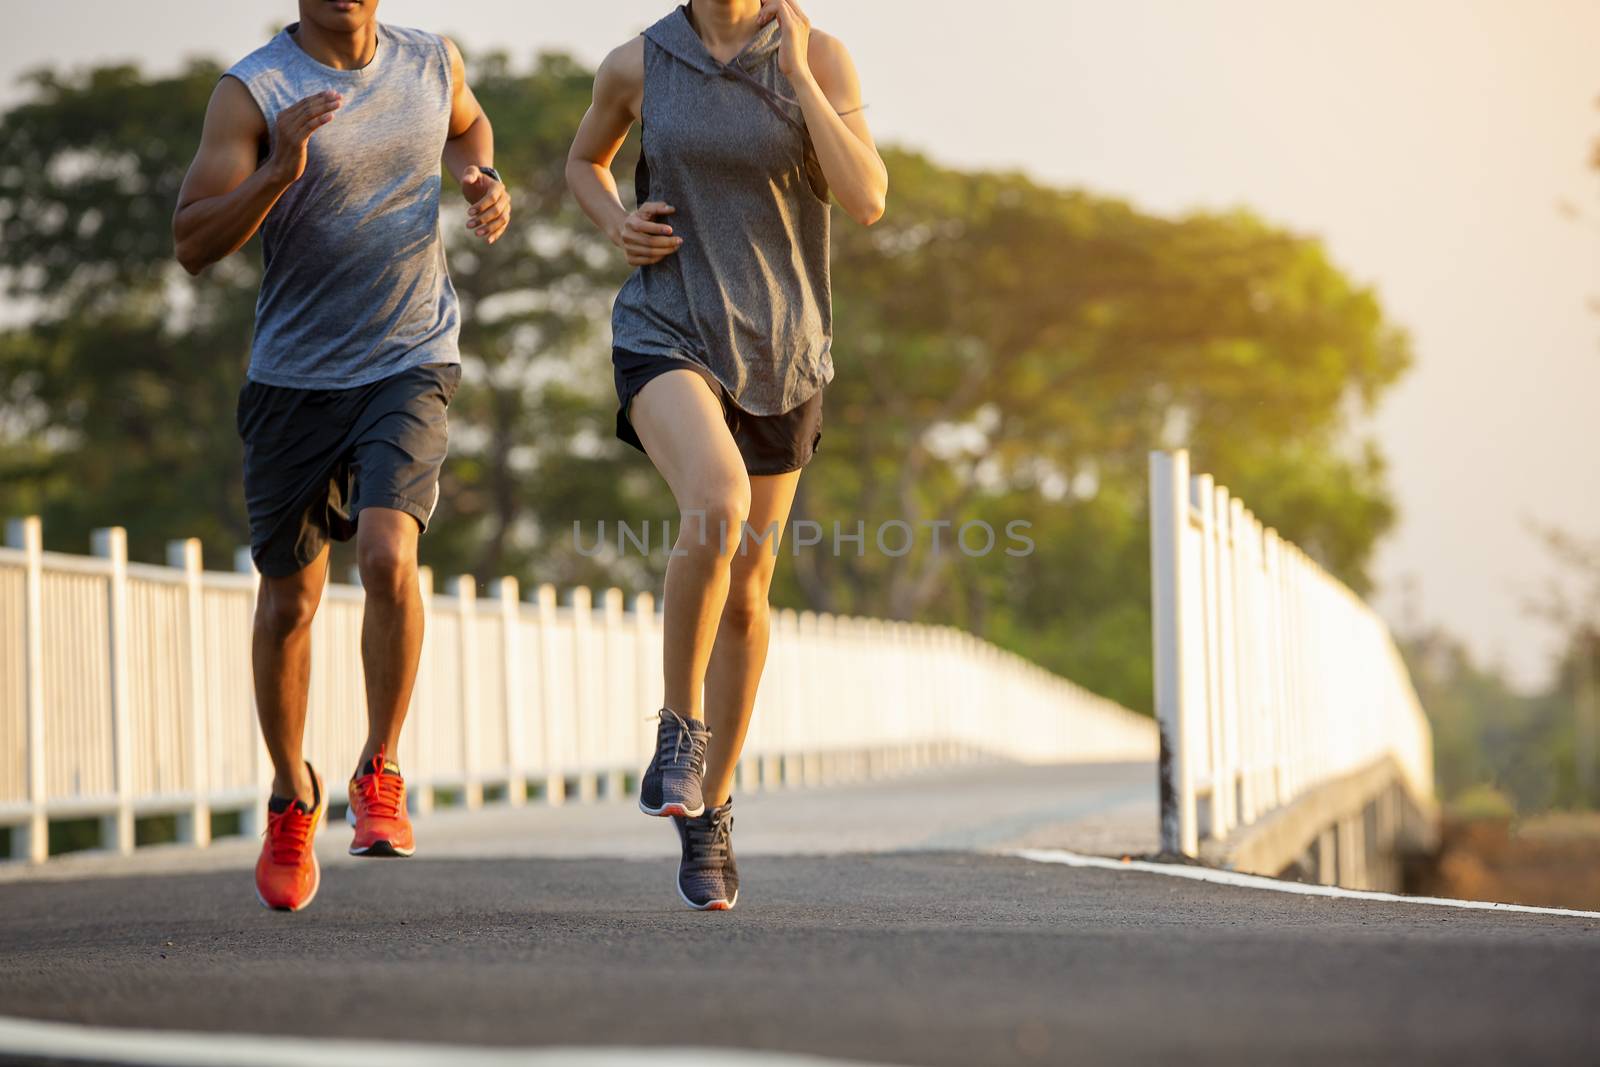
(493, 174)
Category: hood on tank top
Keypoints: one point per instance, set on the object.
(675, 35)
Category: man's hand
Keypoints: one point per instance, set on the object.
(293, 129)
(644, 240)
(490, 213)
(794, 47)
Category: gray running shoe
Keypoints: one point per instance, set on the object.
(708, 877)
(671, 784)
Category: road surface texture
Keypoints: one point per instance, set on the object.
(905, 942)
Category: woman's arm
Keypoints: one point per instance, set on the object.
(618, 98)
(829, 93)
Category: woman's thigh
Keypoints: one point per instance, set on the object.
(681, 425)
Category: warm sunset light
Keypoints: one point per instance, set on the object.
(799, 532)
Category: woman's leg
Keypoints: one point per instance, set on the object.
(681, 424)
(740, 651)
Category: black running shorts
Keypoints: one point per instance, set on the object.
(770, 444)
(313, 458)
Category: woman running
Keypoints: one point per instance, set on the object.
(721, 338)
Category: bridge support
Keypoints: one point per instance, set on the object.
(1169, 510)
(1354, 831)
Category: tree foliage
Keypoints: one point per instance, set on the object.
(1006, 351)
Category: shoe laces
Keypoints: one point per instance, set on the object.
(382, 791)
(289, 833)
(679, 738)
(710, 838)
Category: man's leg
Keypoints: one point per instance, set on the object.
(391, 629)
(281, 655)
(740, 652)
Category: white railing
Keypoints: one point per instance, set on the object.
(125, 691)
(1271, 676)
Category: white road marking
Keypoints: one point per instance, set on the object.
(1255, 881)
(176, 1048)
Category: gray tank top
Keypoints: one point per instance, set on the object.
(747, 295)
(355, 287)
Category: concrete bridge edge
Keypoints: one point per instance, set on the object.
(1354, 831)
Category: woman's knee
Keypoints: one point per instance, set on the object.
(746, 608)
(713, 519)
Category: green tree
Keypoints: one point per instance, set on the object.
(1006, 350)
(118, 388)
(117, 391)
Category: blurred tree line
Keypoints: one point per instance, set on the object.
(1005, 351)
(1496, 747)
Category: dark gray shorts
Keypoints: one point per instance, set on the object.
(313, 458)
(769, 444)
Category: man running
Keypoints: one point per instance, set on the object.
(329, 139)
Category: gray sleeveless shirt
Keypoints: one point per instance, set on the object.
(355, 287)
(746, 296)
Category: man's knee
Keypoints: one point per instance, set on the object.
(286, 606)
(388, 565)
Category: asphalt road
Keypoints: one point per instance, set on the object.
(918, 957)
(1106, 809)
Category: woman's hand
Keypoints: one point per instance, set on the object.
(644, 240)
(794, 49)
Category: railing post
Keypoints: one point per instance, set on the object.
(1169, 513)
(1240, 526)
(612, 704)
(581, 601)
(1277, 657)
(555, 790)
(195, 827)
(647, 681)
(255, 816)
(1226, 711)
(512, 677)
(465, 589)
(423, 710)
(1217, 808)
(28, 535)
(111, 543)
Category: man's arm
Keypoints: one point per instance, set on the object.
(471, 147)
(228, 191)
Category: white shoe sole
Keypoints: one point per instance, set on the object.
(679, 810)
(377, 848)
(711, 905)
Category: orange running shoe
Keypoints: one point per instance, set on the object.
(287, 875)
(378, 810)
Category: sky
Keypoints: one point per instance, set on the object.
(1429, 143)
